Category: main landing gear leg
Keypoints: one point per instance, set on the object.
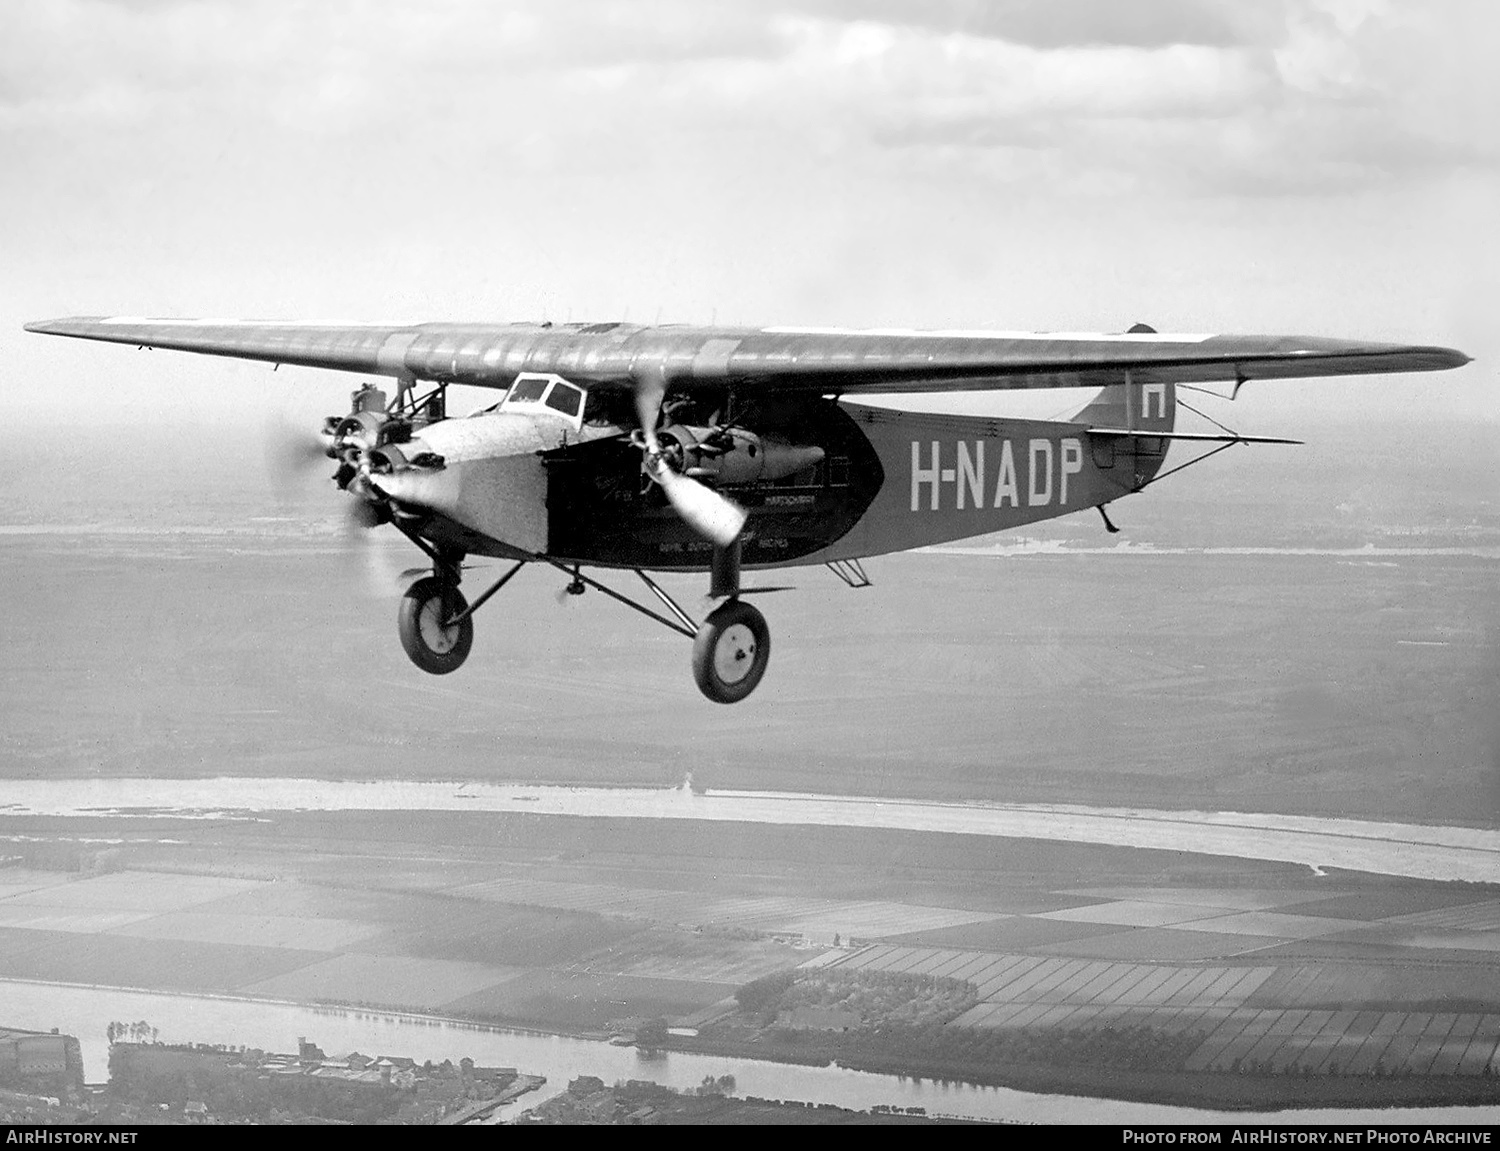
(733, 644)
(730, 648)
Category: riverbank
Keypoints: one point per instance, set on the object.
(1230, 1091)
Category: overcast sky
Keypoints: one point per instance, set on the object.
(1308, 166)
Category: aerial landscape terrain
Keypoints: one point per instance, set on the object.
(1332, 656)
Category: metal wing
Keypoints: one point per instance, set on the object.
(805, 360)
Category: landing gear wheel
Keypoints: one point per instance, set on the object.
(434, 648)
(731, 651)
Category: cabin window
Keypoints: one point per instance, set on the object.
(527, 391)
(565, 399)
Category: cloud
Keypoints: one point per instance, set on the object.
(1332, 96)
(1294, 94)
(1060, 23)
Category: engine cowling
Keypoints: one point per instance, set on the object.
(734, 455)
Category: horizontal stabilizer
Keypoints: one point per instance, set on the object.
(1206, 437)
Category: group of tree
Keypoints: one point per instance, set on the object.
(874, 996)
(1134, 1048)
(139, 1032)
(762, 996)
(652, 1034)
(723, 1085)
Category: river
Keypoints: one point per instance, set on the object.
(276, 1026)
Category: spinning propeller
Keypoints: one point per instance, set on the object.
(713, 516)
(293, 456)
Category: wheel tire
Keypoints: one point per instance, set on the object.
(731, 651)
(432, 647)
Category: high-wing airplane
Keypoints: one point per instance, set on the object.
(678, 448)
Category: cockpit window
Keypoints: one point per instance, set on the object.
(527, 391)
(565, 399)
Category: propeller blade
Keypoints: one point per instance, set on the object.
(713, 516)
(650, 390)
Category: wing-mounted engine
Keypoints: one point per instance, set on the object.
(734, 455)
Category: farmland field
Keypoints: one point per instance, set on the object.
(392, 980)
(699, 958)
(311, 933)
(114, 960)
(586, 1000)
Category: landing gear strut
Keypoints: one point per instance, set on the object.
(435, 622)
(730, 648)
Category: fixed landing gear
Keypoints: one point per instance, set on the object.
(435, 622)
(436, 626)
(730, 651)
(730, 648)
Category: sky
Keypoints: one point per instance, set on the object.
(1326, 167)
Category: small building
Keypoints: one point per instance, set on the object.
(309, 1052)
(41, 1058)
(586, 1085)
(195, 1111)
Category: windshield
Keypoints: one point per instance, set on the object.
(526, 391)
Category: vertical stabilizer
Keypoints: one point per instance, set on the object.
(1144, 407)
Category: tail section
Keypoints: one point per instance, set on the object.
(1130, 429)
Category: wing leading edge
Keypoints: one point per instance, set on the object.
(810, 360)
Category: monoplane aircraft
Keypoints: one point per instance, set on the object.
(678, 448)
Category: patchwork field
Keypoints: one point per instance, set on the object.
(663, 954)
(310, 933)
(119, 961)
(820, 918)
(130, 891)
(389, 980)
(1223, 1006)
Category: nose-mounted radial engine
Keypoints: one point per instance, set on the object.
(374, 439)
